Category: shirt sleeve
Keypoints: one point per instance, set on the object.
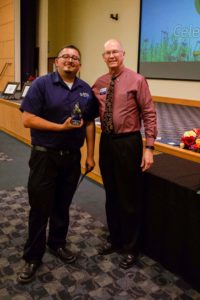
(33, 101)
(148, 112)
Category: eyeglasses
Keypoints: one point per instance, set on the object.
(114, 53)
(68, 57)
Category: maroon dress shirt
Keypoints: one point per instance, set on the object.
(132, 103)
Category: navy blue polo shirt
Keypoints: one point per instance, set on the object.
(51, 99)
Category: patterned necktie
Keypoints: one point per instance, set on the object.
(107, 122)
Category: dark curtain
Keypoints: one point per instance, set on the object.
(29, 52)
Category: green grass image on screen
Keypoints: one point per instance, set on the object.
(197, 5)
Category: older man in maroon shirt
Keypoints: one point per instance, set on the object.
(121, 156)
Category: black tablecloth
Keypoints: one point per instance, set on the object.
(171, 220)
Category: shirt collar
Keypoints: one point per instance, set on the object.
(58, 79)
(119, 73)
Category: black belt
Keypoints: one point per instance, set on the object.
(122, 134)
(56, 151)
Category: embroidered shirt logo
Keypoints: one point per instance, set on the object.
(85, 95)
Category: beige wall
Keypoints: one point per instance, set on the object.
(175, 89)
(42, 36)
(17, 39)
(91, 26)
(58, 25)
(87, 24)
(6, 41)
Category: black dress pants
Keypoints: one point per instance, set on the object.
(52, 182)
(120, 159)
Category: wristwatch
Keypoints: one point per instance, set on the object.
(150, 147)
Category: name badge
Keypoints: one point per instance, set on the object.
(103, 91)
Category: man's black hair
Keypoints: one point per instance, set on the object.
(70, 47)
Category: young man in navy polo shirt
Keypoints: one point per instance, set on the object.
(55, 155)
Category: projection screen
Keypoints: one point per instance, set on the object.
(169, 42)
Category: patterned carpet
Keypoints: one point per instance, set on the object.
(91, 276)
(173, 120)
(4, 157)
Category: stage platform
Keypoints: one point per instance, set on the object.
(171, 220)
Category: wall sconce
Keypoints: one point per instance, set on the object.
(114, 16)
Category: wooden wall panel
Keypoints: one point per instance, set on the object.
(11, 121)
(6, 42)
(7, 32)
(179, 101)
(7, 49)
(5, 2)
(95, 174)
(4, 81)
(6, 13)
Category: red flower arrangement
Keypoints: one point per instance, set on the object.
(30, 78)
(191, 140)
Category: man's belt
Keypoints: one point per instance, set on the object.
(56, 151)
(122, 134)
